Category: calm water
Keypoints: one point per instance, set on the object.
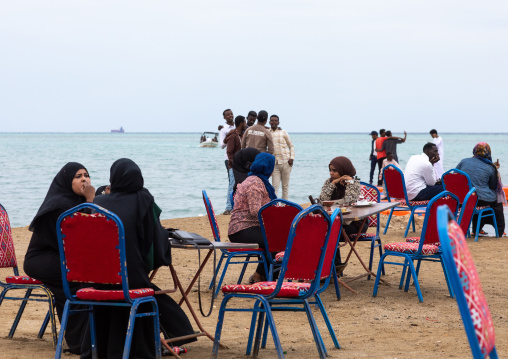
(176, 170)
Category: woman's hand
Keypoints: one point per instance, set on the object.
(497, 164)
(88, 191)
(342, 180)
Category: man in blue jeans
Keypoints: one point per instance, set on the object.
(230, 125)
(421, 184)
(373, 156)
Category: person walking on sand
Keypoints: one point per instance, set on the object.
(390, 145)
(381, 154)
(228, 116)
(438, 141)
(373, 155)
(258, 136)
(284, 152)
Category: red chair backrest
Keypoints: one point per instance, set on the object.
(456, 183)
(467, 211)
(478, 308)
(394, 182)
(7, 254)
(309, 240)
(431, 232)
(277, 221)
(91, 245)
(211, 217)
(331, 247)
(371, 194)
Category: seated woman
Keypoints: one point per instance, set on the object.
(241, 164)
(147, 247)
(251, 195)
(341, 185)
(487, 181)
(70, 187)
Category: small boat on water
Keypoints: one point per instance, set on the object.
(120, 130)
(209, 139)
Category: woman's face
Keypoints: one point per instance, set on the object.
(333, 172)
(80, 181)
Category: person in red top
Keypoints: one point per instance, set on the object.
(381, 154)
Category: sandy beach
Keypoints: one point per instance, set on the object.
(392, 325)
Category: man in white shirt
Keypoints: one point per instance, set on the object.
(438, 166)
(421, 184)
(284, 153)
(230, 125)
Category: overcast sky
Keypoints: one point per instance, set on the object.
(339, 66)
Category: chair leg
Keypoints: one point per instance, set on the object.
(63, 327)
(252, 327)
(327, 321)
(415, 279)
(371, 256)
(315, 331)
(20, 312)
(411, 220)
(477, 231)
(408, 277)
(388, 220)
(222, 276)
(93, 331)
(276, 340)
(403, 274)
(447, 278)
(157, 329)
(130, 331)
(44, 325)
(336, 282)
(378, 274)
(217, 270)
(218, 329)
(244, 267)
(259, 330)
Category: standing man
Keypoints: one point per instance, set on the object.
(228, 116)
(373, 156)
(284, 153)
(251, 118)
(390, 145)
(233, 143)
(438, 166)
(258, 136)
(381, 154)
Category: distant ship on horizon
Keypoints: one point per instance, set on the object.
(120, 130)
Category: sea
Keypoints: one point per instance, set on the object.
(176, 170)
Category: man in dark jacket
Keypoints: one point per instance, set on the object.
(233, 143)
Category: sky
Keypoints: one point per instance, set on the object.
(322, 66)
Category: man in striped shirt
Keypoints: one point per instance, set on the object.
(284, 153)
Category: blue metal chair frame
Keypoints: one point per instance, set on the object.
(418, 256)
(481, 213)
(129, 302)
(29, 296)
(272, 264)
(230, 255)
(466, 199)
(401, 208)
(264, 303)
(444, 217)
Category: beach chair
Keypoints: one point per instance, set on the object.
(467, 287)
(299, 281)
(371, 193)
(459, 183)
(427, 249)
(230, 255)
(21, 282)
(275, 219)
(92, 250)
(396, 191)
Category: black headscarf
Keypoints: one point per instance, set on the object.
(244, 158)
(344, 167)
(60, 194)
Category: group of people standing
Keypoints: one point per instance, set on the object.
(242, 133)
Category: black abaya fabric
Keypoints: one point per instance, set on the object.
(42, 260)
(147, 248)
(241, 163)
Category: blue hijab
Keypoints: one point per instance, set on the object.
(262, 167)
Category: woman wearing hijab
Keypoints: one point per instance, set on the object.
(341, 185)
(242, 161)
(487, 181)
(70, 187)
(251, 195)
(147, 248)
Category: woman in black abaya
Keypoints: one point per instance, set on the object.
(147, 248)
(70, 187)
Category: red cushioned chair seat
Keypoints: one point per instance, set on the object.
(21, 279)
(363, 235)
(288, 289)
(411, 203)
(411, 248)
(279, 257)
(101, 295)
(245, 250)
(417, 240)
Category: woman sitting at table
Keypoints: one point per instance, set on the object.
(251, 195)
(147, 248)
(485, 178)
(341, 185)
(70, 187)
